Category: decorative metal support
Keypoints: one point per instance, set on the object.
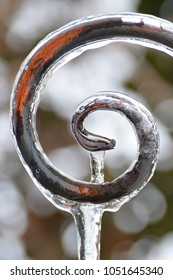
(84, 199)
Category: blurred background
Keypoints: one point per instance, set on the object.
(30, 227)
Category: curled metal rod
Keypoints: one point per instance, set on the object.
(54, 51)
(134, 178)
(86, 139)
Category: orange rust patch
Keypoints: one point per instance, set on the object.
(43, 55)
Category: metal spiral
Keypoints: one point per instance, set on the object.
(54, 51)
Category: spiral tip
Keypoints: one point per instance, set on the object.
(112, 144)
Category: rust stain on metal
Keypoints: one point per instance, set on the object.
(43, 55)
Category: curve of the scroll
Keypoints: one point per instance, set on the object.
(57, 49)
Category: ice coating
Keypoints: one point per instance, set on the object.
(55, 50)
(87, 201)
(147, 135)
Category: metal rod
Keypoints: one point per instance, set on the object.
(88, 219)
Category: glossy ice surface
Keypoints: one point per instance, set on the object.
(54, 51)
